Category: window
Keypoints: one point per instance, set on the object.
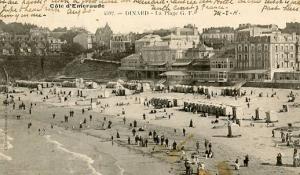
(259, 47)
(292, 56)
(246, 49)
(286, 48)
(292, 47)
(240, 48)
(281, 48)
(231, 64)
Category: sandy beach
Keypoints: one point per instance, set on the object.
(68, 149)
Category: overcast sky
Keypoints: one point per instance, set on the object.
(124, 24)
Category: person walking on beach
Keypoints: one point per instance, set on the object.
(197, 145)
(128, 140)
(66, 119)
(174, 145)
(133, 132)
(187, 167)
(146, 142)
(112, 140)
(109, 124)
(124, 120)
(91, 117)
(167, 142)
(29, 125)
(134, 123)
(183, 131)
(144, 116)
(118, 135)
(273, 133)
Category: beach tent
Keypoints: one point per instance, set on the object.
(258, 113)
(106, 94)
(237, 112)
(233, 129)
(271, 116)
(39, 87)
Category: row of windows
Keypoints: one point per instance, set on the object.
(259, 47)
(221, 64)
(287, 56)
(258, 56)
(285, 64)
(284, 48)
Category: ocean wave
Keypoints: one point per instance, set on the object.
(5, 157)
(122, 170)
(83, 157)
(9, 146)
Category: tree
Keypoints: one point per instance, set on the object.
(60, 29)
(73, 48)
(68, 36)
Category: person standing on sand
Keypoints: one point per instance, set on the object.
(112, 140)
(236, 165)
(191, 123)
(197, 145)
(128, 140)
(91, 117)
(118, 135)
(246, 161)
(183, 131)
(279, 159)
(187, 167)
(205, 144)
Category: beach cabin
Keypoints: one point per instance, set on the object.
(237, 112)
(271, 116)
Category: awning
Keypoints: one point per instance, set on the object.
(182, 63)
(256, 71)
(174, 73)
(157, 64)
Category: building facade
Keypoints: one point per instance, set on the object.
(103, 36)
(267, 53)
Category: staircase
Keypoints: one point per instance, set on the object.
(239, 84)
(161, 81)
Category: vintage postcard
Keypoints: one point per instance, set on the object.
(149, 87)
